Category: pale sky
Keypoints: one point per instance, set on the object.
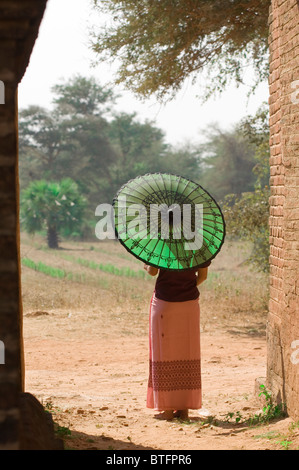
(63, 50)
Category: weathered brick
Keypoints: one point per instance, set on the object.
(283, 320)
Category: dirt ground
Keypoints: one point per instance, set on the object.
(87, 361)
(96, 389)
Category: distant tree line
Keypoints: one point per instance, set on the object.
(82, 150)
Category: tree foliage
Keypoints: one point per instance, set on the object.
(83, 138)
(83, 96)
(227, 160)
(247, 218)
(52, 206)
(139, 148)
(256, 129)
(247, 214)
(159, 43)
(69, 140)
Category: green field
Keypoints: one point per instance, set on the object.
(85, 275)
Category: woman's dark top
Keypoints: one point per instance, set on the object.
(177, 286)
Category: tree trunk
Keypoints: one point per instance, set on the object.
(52, 237)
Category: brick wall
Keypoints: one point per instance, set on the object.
(283, 320)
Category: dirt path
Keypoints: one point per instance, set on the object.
(96, 387)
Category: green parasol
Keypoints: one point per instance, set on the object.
(168, 221)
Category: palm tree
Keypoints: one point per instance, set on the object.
(53, 206)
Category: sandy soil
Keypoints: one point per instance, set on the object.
(96, 388)
(86, 356)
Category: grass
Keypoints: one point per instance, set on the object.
(108, 268)
(80, 277)
(269, 412)
(284, 440)
(106, 275)
(44, 268)
(62, 432)
(52, 271)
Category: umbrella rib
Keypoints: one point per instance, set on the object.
(145, 187)
(166, 195)
(171, 252)
(156, 243)
(143, 248)
(137, 197)
(148, 182)
(178, 183)
(188, 184)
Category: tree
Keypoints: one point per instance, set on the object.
(41, 141)
(256, 129)
(160, 43)
(139, 146)
(247, 214)
(53, 207)
(227, 161)
(83, 138)
(83, 96)
(247, 218)
(184, 160)
(71, 139)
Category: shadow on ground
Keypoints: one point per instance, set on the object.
(81, 441)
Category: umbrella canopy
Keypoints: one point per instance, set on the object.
(168, 221)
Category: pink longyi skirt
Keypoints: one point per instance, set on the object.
(174, 355)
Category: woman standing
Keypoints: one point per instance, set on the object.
(174, 384)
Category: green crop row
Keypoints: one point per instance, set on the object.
(53, 272)
(108, 268)
(80, 277)
(44, 268)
